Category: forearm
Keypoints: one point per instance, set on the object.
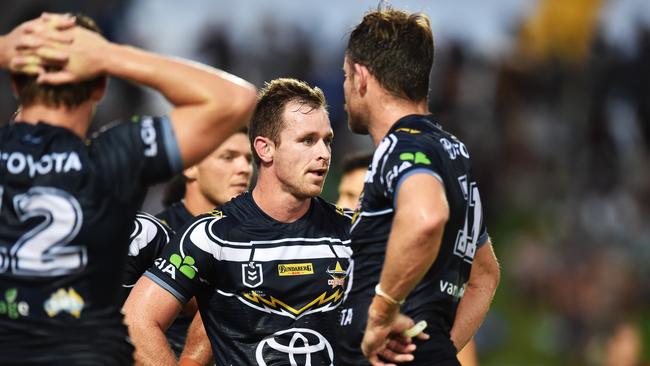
(470, 314)
(197, 346)
(478, 295)
(181, 82)
(151, 346)
(148, 312)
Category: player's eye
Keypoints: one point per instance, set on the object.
(308, 140)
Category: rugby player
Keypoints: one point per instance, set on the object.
(67, 202)
(350, 190)
(268, 268)
(222, 175)
(421, 249)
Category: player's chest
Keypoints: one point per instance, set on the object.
(292, 286)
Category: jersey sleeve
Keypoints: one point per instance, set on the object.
(187, 264)
(148, 238)
(408, 156)
(134, 154)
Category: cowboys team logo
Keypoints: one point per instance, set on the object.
(295, 347)
(251, 274)
(338, 276)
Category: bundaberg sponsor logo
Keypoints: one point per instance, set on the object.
(295, 269)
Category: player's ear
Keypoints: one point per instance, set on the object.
(100, 90)
(191, 173)
(361, 78)
(264, 148)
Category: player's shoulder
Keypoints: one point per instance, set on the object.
(416, 130)
(421, 138)
(213, 223)
(147, 229)
(344, 215)
(140, 127)
(148, 225)
(152, 220)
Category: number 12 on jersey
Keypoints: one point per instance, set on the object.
(41, 250)
(467, 237)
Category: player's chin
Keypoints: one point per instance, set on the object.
(313, 189)
(356, 126)
(237, 190)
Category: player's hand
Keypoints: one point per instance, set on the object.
(384, 343)
(35, 44)
(86, 55)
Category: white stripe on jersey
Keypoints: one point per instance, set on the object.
(150, 227)
(368, 214)
(393, 144)
(203, 238)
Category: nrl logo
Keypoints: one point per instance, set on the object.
(251, 274)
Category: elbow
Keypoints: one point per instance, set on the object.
(243, 103)
(432, 223)
(232, 111)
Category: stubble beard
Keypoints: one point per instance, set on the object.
(357, 125)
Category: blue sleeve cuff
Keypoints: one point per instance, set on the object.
(171, 145)
(167, 287)
(482, 240)
(402, 179)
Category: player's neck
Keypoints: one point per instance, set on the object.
(195, 202)
(76, 119)
(389, 110)
(280, 205)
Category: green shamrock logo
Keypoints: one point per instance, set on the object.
(10, 295)
(184, 265)
(417, 158)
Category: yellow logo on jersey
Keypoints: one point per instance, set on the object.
(338, 275)
(355, 216)
(408, 130)
(62, 300)
(295, 269)
(216, 213)
(274, 303)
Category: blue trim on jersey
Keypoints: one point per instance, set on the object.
(402, 179)
(167, 287)
(171, 145)
(482, 240)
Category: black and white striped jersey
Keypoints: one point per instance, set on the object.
(146, 242)
(66, 210)
(414, 145)
(267, 291)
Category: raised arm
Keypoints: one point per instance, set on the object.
(32, 45)
(480, 289)
(148, 312)
(209, 104)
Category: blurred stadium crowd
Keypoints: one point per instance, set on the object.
(557, 119)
